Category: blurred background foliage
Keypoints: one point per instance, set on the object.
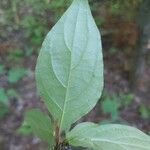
(125, 30)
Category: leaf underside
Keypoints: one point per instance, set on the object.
(69, 71)
(108, 137)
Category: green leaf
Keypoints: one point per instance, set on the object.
(3, 96)
(2, 69)
(126, 98)
(3, 110)
(25, 129)
(69, 71)
(111, 106)
(40, 124)
(12, 93)
(144, 111)
(108, 137)
(15, 55)
(15, 74)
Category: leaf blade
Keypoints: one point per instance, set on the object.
(108, 137)
(40, 124)
(71, 62)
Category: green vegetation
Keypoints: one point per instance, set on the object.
(1, 69)
(144, 111)
(66, 63)
(25, 129)
(3, 96)
(119, 7)
(3, 110)
(15, 74)
(33, 19)
(4, 100)
(14, 55)
(12, 93)
(111, 104)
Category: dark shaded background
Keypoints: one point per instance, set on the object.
(125, 30)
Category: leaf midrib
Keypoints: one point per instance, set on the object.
(67, 87)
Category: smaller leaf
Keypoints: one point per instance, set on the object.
(12, 93)
(40, 125)
(3, 110)
(144, 111)
(126, 99)
(15, 74)
(1, 69)
(3, 96)
(111, 106)
(14, 55)
(25, 129)
(108, 137)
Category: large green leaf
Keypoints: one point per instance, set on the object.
(69, 71)
(40, 125)
(108, 137)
